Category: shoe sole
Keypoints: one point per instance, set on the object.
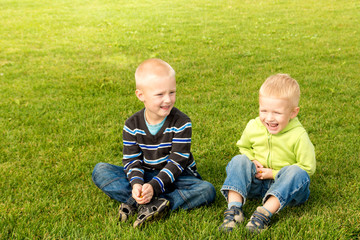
(163, 210)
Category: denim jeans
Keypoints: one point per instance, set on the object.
(188, 191)
(290, 186)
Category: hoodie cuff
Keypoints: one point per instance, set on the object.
(275, 172)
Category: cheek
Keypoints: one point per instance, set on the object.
(284, 120)
(154, 101)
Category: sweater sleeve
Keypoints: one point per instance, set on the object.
(178, 158)
(132, 156)
(305, 154)
(244, 143)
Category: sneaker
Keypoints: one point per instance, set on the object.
(156, 209)
(125, 210)
(259, 221)
(232, 217)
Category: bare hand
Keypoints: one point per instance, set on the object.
(261, 172)
(258, 165)
(142, 193)
(147, 192)
(264, 173)
(136, 192)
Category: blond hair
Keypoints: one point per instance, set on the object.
(281, 86)
(152, 68)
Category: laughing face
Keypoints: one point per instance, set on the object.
(158, 96)
(275, 113)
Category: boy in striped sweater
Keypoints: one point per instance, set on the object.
(159, 170)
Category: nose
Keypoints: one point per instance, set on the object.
(167, 98)
(269, 117)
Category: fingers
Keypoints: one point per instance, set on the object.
(147, 192)
(142, 194)
(264, 173)
(257, 164)
(140, 199)
(137, 193)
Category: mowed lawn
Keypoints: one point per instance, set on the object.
(67, 86)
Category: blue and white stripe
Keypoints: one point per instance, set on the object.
(176, 164)
(134, 178)
(156, 161)
(135, 131)
(135, 169)
(129, 143)
(185, 155)
(160, 183)
(178, 130)
(181, 140)
(129, 163)
(193, 164)
(132, 155)
(169, 173)
(155, 147)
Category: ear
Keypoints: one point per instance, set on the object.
(295, 112)
(139, 94)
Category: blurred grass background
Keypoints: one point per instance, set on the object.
(67, 86)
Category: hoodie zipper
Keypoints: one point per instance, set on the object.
(269, 154)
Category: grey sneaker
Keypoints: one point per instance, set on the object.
(125, 210)
(259, 221)
(153, 210)
(232, 217)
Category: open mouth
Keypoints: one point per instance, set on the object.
(165, 108)
(272, 125)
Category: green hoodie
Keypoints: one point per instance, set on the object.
(291, 146)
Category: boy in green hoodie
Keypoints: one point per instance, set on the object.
(277, 158)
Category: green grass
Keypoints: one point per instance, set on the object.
(67, 86)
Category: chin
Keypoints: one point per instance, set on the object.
(273, 133)
(167, 110)
(165, 114)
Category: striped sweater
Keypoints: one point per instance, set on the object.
(168, 151)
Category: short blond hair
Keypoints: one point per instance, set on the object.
(281, 86)
(152, 68)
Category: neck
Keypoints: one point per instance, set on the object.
(151, 120)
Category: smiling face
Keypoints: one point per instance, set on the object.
(156, 88)
(276, 113)
(158, 95)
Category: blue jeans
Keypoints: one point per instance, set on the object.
(188, 191)
(290, 186)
